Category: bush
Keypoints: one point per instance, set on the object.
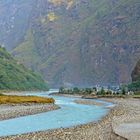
(76, 90)
(88, 90)
(61, 90)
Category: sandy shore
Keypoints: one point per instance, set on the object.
(126, 112)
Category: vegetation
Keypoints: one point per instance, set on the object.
(136, 95)
(121, 92)
(14, 76)
(135, 85)
(101, 92)
(5, 99)
(77, 90)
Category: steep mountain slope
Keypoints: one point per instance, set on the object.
(80, 42)
(14, 19)
(136, 72)
(135, 85)
(16, 77)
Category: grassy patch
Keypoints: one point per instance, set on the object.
(6, 99)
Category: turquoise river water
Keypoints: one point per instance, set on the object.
(70, 114)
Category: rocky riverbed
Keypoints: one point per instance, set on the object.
(89, 102)
(113, 126)
(8, 111)
(128, 124)
(108, 128)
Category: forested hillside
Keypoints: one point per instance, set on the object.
(14, 76)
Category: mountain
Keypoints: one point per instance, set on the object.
(14, 18)
(135, 85)
(15, 76)
(136, 72)
(74, 42)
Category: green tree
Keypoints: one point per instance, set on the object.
(61, 90)
(123, 91)
(94, 89)
(88, 90)
(76, 90)
(102, 91)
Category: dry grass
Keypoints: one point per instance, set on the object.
(6, 99)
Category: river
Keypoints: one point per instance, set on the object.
(70, 114)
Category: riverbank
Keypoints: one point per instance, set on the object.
(108, 128)
(128, 124)
(16, 104)
(8, 111)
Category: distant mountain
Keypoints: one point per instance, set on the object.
(14, 76)
(74, 42)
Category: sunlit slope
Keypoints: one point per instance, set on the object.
(14, 76)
